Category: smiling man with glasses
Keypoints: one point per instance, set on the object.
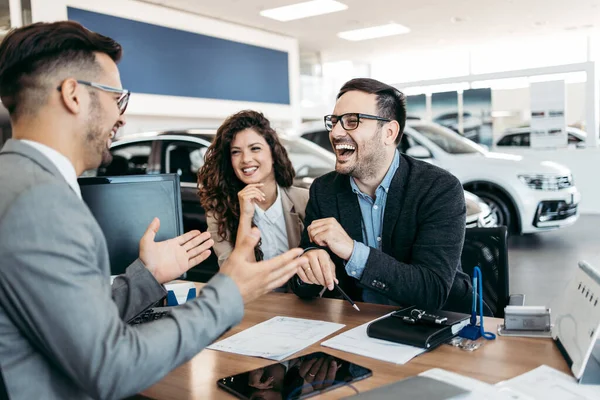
(388, 227)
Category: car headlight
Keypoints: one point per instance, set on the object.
(547, 182)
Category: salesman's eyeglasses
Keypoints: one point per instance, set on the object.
(124, 94)
(349, 121)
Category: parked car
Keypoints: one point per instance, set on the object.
(520, 137)
(182, 152)
(471, 124)
(526, 196)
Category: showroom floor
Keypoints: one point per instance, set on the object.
(541, 265)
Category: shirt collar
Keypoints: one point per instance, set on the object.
(387, 179)
(62, 163)
(273, 212)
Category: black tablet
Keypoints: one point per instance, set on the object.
(297, 378)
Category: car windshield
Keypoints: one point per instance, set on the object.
(308, 159)
(449, 141)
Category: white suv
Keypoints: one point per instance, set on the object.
(526, 196)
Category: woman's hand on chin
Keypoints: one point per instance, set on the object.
(248, 196)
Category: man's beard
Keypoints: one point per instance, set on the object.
(368, 160)
(96, 138)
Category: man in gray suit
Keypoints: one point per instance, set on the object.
(62, 329)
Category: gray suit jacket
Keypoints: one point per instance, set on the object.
(62, 334)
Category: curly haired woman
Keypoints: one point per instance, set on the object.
(246, 181)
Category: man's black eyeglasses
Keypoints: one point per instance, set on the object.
(349, 121)
(123, 98)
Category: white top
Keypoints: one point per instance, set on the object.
(61, 163)
(271, 224)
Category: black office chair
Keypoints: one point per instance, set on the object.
(488, 249)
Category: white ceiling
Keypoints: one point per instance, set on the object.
(434, 24)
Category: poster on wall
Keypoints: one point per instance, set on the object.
(416, 106)
(548, 124)
(444, 109)
(477, 115)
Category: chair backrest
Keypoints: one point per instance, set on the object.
(488, 249)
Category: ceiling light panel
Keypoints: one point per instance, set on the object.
(303, 10)
(374, 32)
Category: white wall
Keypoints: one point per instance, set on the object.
(146, 111)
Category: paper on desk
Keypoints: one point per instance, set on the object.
(478, 390)
(277, 338)
(357, 341)
(545, 382)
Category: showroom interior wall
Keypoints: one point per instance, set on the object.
(580, 161)
(160, 111)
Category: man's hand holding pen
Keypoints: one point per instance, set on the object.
(320, 270)
(328, 233)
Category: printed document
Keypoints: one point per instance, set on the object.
(357, 341)
(277, 338)
(547, 383)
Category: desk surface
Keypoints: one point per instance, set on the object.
(503, 358)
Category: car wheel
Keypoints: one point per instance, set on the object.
(498, 206)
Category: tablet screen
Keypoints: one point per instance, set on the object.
(297, 378)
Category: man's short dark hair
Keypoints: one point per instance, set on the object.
(35, 57)
(391, 103)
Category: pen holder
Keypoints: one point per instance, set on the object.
(172, 299)
(472, 332)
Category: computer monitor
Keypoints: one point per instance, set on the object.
(576, 324)
(124, 206)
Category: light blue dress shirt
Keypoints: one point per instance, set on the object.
(372, 211)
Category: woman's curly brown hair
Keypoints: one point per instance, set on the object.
(218, 185)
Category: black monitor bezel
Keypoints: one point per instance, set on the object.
(173, 178)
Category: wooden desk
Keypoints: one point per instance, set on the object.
(495, 361)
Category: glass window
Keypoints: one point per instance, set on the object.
(26, 11)
(505, 141)
(516, 139)
(406, 143)
(184, 159)
(128, 159)
(320, 138)
(572, 139)
(449, 141)
(5, 22)
(308, 159)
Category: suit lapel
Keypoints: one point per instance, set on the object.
(395, 201)
(293, 224)
(350, 215)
